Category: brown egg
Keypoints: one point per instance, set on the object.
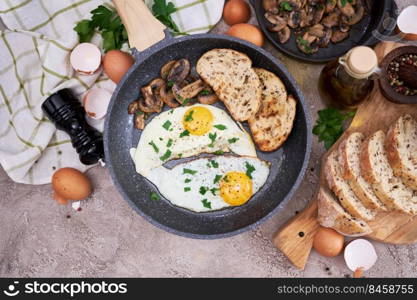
(58, 198)
(116, 63)
(236, 11)
(328, 242)
(247, 32)
(71, 184)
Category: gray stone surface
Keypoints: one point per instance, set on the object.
(107, 238)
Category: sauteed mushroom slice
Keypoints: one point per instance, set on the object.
(305, 43)
(139, 120)
(207, 96)
(152, 101)
(166, 68)
(189, 91)
(133, 107)
(284, 35)
(269, 4)
(324, 41)
(356, 17)
(330, 5)
(338, 35)
(318, 14)
(331, 20)
(317, 30)
(167, 96)
(179, 71)
(346, 8)
(279, 22)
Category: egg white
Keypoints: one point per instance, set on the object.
(146, 157)
(171, 183)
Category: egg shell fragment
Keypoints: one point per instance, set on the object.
(71, 184)
(360, 254)
(85, 58)
(96, 102)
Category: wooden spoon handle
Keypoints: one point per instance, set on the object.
(295, 238)
(143, 29)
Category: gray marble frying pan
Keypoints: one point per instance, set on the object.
(152, 47)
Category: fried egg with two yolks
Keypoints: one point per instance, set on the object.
(188, 131)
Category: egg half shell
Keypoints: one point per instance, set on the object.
(85, 58)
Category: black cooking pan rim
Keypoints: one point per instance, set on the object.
(142, 56)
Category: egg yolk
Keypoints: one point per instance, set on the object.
(236, 188)
(198, 120)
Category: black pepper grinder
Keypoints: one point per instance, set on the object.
(66, 112)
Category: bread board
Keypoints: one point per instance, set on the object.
(295, 238)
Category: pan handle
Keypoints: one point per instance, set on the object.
(143, 29)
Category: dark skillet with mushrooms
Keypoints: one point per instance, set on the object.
(177, 85)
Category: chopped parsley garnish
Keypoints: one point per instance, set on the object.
(205, 92)
(187, 189)
(155, 148)
(343, 2)
(189, 117)
(218, 152)
(214, 190)
(169, 144)
(220, 126)
(171, 111)
(214, 163)
(206, 203)
(185, 102)
(187, 180)
(161, 139)
(233, 140)
(154, 196)
(188, 171)
(212, 137)
(180, 155)
(249, 169)
(166, 155)
(166, 125)
(285, 5)
(185, 133)
(139, 112)
(305, 44)
(203, 190)
(170, 84)
(217, 178)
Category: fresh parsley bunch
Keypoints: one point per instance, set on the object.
(329, 126)
(163, 11)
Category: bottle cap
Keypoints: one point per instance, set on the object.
(360, 62)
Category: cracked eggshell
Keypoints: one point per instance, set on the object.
(85, 58)
(360, 254)
(406, 22)
(96, 101)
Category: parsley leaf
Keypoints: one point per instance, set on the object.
(154, 196)
(188, 171)
(187, 189)
(170, 84)
(166, 155)
(220, 127)
(189, 117)
(218, 152)
(249, 169)
(169, 144)
(206, 204)
(212, 137)
(214, 190)
(214, 163)
(233, 140)
(155, 148)
(185, 133)
(329, 125)
(185, 102)
(187, 180)
(203, 190)
(205, 93)
(285, 5)
(166, 125)
(217, 178)
(162, 11)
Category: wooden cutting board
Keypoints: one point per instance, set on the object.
(295, 238)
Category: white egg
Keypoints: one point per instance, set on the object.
(188, 131)
(208, 184)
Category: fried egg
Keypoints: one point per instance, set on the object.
(211, 183)
(187, 131)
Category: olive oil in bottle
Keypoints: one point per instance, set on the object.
(347, 81)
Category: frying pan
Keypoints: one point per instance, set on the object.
(362, 33)
(152, 48)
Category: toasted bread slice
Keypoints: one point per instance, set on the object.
(230, 75)
(378, 172)
(349, 151)
(343, 190)
(272, 124)
(331, 214)
(401, 147)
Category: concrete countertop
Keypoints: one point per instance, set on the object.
(107, 238)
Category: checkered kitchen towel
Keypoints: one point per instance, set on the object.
(34, 63)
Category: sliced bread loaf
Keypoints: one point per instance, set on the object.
(401, 147)
(377, 171)
(350, 150)
(273, 122)
(331, 214)
(232, 78)
(343, 190)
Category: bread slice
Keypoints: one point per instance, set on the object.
(272, 124)
(331, 214)
(349, 151)
(343, 190)
(401, 147)
(377, 171)
(230, 75)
